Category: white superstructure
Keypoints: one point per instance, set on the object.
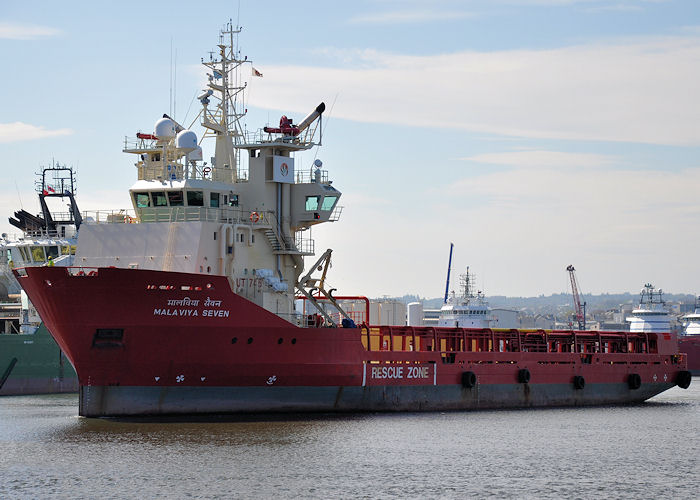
(218, 217)
(470, 310)
(651, 316)
(691, 322)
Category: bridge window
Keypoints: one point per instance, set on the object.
(175, 199)
(38, 254)
(312, 202)
(142, 200)
(195, 198)
(214, 200)
(24, 254)
(159, 199)
(328, 202)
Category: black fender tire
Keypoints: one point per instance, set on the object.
(468, 379)
(683, 379)
(523, 376)
(579, 382)
(634, 381)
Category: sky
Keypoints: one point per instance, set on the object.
(532, 134)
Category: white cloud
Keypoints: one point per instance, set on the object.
(539, 159)
(408, 17)
(19, 131)
(635, 90)
(18, 31)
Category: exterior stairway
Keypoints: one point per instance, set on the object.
(275, 243)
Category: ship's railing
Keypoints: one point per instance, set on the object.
(229, 215)
(45, 234)
(305, 245)
(83, 271)
(179, 172)
(303, 176)
(335, 214)
(355, 306)
(122, 216)
(259, 136)
(450, 340)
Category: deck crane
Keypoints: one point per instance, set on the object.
(580, 309)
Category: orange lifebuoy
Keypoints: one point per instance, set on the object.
(254, 217)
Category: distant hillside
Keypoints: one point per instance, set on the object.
(553, 303)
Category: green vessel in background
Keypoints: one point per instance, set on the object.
(32, 363)
(30, 360)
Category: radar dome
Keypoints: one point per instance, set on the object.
(186, 139)
(164, 129)
(195, 155)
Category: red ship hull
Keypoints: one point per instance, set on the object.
(691, 347)
(152, 342)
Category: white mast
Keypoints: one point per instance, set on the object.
(224, 122)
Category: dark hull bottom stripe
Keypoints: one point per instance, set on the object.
(97, 401)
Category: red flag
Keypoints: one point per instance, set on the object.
(256, 73)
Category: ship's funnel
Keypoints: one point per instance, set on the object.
(312, 116)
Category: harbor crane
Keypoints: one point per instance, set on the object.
(580, 309)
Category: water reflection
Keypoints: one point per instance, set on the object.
(646, 450)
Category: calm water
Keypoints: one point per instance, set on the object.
(646, 451)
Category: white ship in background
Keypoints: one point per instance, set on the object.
(651, 316)
(691, 322)
(468, 310)
(689, 341)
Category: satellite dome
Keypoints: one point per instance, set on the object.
(186, 139)
(195, 154)
(164, 129)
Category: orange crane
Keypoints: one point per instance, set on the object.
(580, 309)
